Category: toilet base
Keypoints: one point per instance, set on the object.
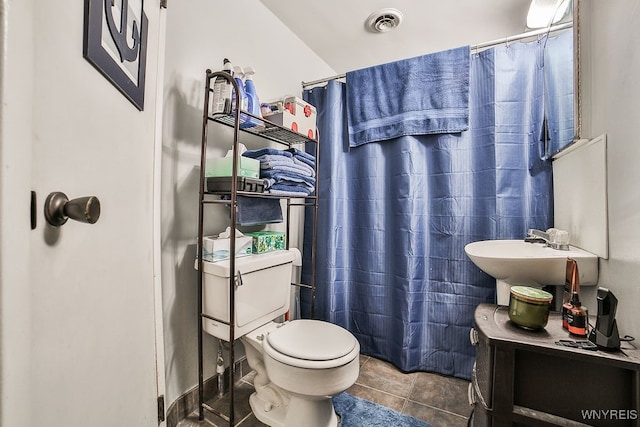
(315, 413)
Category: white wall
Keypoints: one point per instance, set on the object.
(610, 66)
(200, 33)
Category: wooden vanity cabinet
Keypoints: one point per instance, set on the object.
(523, 378)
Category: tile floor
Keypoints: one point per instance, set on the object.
(437, 399)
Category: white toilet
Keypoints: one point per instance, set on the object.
(299, 364)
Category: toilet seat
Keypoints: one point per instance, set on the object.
(311, 344)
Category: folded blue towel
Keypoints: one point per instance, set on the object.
(265, 151)
(268, 164)
(282, 187)
(258, 210)
(303, 157)
(423, 95)
(287, 167)
(274, 158)
(310, 163)
(273, 161)
(281, 175)
(310, 170)
(289, 185)
(303, 154)
(288, 193)
(302, 186)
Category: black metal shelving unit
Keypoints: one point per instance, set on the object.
(270, 132)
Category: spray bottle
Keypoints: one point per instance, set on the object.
(238, 75)
(252, 95)
(244, 100)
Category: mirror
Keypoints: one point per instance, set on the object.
(561, 92)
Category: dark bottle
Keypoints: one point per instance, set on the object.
(577, 317)
(571, 286)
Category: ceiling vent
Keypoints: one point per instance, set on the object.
(384, 20)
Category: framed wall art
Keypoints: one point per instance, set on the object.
(115, 43)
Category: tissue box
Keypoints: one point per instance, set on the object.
(223, 166)
(216, 248)
(267, 241)
(297, 115)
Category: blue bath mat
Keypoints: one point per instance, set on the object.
(356, 412)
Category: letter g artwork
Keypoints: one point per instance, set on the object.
(115, 43)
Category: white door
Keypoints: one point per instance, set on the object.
(78, 337)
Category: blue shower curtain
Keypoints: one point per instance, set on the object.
(394, 216)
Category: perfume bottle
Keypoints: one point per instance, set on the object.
(577, 317)
(571, 286)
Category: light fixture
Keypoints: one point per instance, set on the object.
(384, 20)
(543, 13)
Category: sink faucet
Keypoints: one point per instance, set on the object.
(554, 238)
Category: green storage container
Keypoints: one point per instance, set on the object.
(223, 166)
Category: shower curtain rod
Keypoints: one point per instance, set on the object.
(504, 40)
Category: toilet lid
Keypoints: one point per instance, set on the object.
(312, 340)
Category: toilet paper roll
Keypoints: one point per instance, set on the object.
(298, 259)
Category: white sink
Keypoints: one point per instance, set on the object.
(517, 262)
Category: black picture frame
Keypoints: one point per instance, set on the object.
(118, 51)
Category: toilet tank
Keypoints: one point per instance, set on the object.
(262, 292)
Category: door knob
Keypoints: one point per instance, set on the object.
(58, 209)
